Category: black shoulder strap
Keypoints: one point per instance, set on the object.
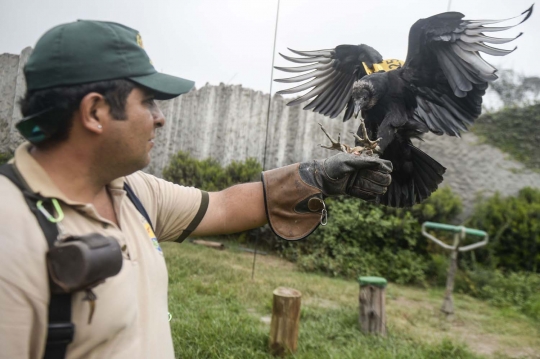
(133, 198)
(60, 329)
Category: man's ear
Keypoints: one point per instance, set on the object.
(94, 112)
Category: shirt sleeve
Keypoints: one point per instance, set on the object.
(175, 210)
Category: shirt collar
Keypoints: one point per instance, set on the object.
(39, 181)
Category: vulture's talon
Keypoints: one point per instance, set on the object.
(336, 145)
(358, 138)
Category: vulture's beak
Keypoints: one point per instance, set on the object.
(357, 108)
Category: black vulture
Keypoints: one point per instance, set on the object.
(437, 89)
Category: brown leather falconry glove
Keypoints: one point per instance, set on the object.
(294, 194)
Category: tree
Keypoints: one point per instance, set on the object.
(515, 89)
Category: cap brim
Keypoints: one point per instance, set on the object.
(164, 86)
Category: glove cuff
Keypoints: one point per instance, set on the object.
(293, 207)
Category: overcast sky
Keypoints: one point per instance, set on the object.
(230, 41)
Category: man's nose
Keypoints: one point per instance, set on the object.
(159, 118)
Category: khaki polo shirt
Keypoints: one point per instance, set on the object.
(131, 316)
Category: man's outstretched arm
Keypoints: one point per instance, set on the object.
(291, 198)
(235, 209)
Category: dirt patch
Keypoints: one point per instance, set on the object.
(424, 320)
(490, 344)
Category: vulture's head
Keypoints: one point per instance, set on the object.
(367, 91)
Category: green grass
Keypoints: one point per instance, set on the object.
(218, 311)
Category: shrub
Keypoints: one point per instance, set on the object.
(513, 224)
(208, 174)
(514, 289)
(5, 157)
(366, 239)
(442, 206)
(438, 268)
(363, 239)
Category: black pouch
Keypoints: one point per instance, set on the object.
(82, 262)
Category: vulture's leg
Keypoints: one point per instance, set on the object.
(364, 140)
(336, 145)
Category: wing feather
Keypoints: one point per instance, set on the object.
(330, 74)
(324, 101)
(448, 75)
(481, 29)
(307, 76)
(334, 105)
(327, 52)
(316, 81)
(300, 60)
(304, 68)
(314, 92)
(492, 40)
(343, 99)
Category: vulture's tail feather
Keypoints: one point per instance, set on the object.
(415, 181)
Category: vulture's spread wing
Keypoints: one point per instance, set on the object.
(332, 73)
(449, 75)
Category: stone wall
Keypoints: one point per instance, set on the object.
(230, 123)
(12, 87)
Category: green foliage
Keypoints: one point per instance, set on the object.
(241, 172)
(438, 268)
(5, 157)
(208, 174)
(514, 289)
(442, 207)
(513, 224)
(367, 239)
(515, 130)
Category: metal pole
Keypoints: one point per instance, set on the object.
(448, 303)
(267, 123)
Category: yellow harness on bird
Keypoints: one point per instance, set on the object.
(384, 65)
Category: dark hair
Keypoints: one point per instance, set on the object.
(65, 100)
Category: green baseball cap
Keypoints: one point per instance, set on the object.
(88, 51)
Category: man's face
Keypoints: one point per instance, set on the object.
(129, 141)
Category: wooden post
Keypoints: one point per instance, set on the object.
(372, 318)
(215, 245)
(448, 303)
(285, 321)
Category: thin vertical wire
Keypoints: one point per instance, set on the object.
(449, 5)
(267, 124)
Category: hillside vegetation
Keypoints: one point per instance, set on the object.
(515, 130)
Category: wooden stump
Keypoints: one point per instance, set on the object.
(372, 318)
(448, 303)
(285, 321)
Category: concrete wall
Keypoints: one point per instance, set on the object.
(230, 123)
(12, 87)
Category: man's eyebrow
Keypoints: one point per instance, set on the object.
(149, 94)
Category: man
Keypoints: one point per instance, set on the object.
(90, 119)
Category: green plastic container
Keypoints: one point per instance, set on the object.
(374, 281)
